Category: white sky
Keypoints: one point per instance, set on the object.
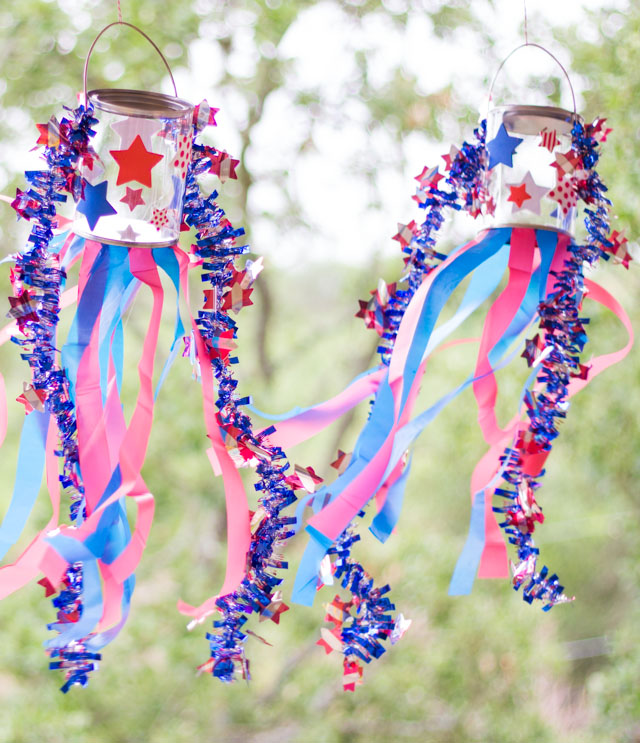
(335, 199)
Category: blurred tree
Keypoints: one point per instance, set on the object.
(481, 668)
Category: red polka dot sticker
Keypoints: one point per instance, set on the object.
(160, 219)
(564, 193)
(183, 155)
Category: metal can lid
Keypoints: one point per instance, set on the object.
(143, 103)
(530, 120)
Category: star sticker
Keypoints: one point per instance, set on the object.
(501, 148)
(420, 198)
(133, 198)
(252, 270)
(534, 194)
(330, 640)
(93, 169)
(406, 233)
(303, 478)
(129, 234)
(549, 139)
(49, 133)
(48, 587)
(618, 249)
(127, 129)
(566, 163)
(23, 308)
(450, 157)
(160, 218)
(32, 399)
(519, 195)
(223, 165)
(399, 628)
(94, 204)
(565, 194)
(533, 348)
(352, 675)
(236, 298)
(341, 461)
(429, 176)
(204, 115)
(275, 608)
(135, 163)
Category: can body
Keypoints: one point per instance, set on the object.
(134, 188)
(531, 168)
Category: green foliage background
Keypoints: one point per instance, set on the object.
(485, 667)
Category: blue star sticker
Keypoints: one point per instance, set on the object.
(95, 204)
(501, 148)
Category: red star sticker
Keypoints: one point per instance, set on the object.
(135, 163)
(519, 195)
(133, 198)
(549, 139)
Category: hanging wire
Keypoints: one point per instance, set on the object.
(526, 29)
(119, 9)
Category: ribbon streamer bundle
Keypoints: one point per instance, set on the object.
(132, 163)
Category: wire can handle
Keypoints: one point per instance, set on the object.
(142, 33)
(546, 51)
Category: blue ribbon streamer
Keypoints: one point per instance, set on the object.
(31, 461)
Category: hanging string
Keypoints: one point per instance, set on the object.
(120, 12)
(526, 30)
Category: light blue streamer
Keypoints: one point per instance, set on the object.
(31, 460)
(375, 432)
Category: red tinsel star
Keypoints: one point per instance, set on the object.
(223, 165)
(341, 461)
(303, 478)
(406, 233)
(49, 133)
(32, 399)
(618, 249)
(450, 157)
(236, 298)
(430, 176)
(135, 163)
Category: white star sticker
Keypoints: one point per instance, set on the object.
(535, 192)
(131, 127)
(129, 234)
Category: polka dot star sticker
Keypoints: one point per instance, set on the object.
(565, 194)
(135, 163)
(501, 148)
(94, 204)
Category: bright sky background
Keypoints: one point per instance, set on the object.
(336, 201)
(343, 226)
